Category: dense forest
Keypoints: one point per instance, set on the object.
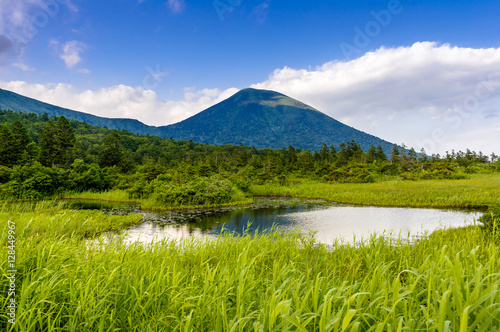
(43, 156)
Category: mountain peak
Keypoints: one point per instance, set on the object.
(251, 93)
(267, 119)
(267, 98)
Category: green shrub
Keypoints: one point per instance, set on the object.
(351, 175)
(86, 177)
(496, 166)
(491, 218)
(198, 191)
(33, 181)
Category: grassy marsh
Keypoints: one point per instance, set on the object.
(480, 191)
(447, 281)
(270, 282)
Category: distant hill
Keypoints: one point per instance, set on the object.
(259, 118)
(17, 102)
(268, 119)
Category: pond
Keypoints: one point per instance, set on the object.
(329, 221)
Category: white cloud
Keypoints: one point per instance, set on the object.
(176, 6)
(436, 96)
(70, 53)
(123, 101)
(84, 71)
(403, 94)
(23, 67)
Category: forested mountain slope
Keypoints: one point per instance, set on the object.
(258, 118)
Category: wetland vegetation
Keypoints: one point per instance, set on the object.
(273, 281)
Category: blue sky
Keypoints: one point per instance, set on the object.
(423, 73)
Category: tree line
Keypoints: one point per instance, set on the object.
(42, 156)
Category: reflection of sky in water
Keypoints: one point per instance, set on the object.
(346, 221)
(327, 221)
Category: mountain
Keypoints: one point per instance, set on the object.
(259, 118)
(17, 102)
(267, 119)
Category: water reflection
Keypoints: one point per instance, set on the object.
(330, 222)
(349, 223)
(261, 216)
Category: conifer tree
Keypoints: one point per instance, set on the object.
(7, 151)
(395, 157)
(57, 143)
(65, 142)
(324, 152)
(371, 154)
(381, 154)
(333, 154)
(20, 140)
(46, 145)
(111, 151)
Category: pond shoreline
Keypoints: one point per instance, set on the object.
(478, 208)
(329, 221)
(156, 208)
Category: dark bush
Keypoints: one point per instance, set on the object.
(5, 174)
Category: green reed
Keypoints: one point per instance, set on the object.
(49, 219)
(448, 281)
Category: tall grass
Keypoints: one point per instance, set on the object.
(115, 195)
(49, 219)
(480, 191)
(269, 282)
